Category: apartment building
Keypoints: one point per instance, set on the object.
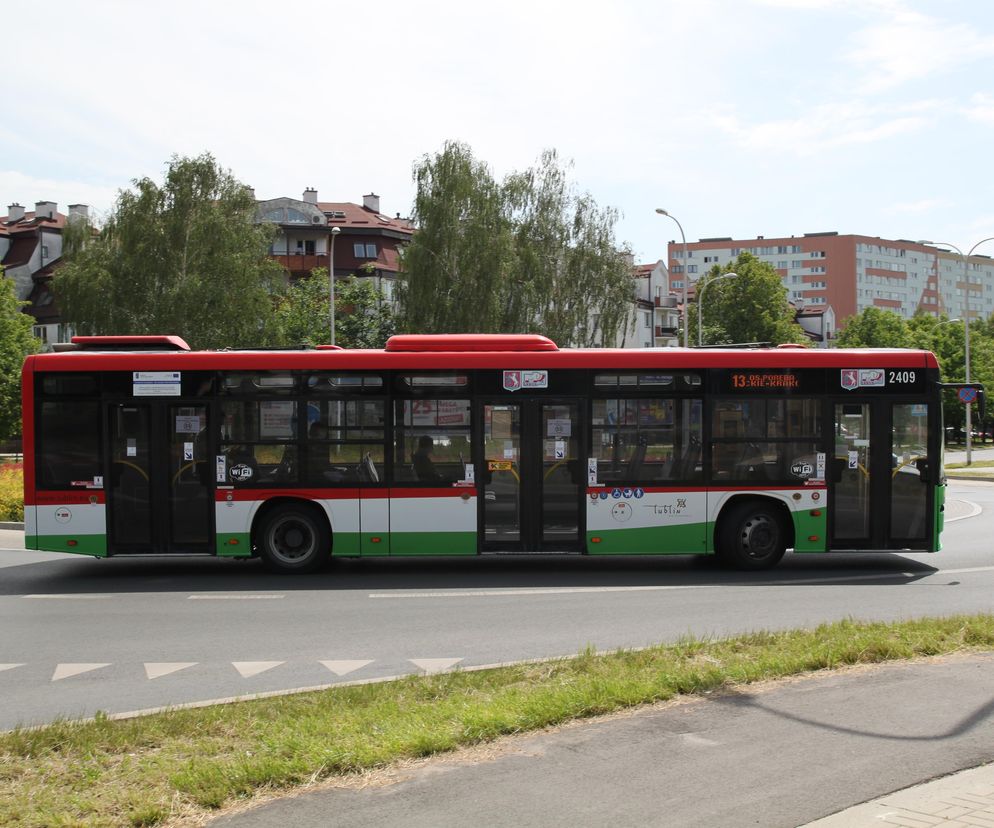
(849, 273)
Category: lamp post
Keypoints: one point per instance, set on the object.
(966, 328)
(686, 274)
(700, 305)
(331, 280)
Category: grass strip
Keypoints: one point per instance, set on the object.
(150, 770)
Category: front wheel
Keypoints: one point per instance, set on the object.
(292, 539)
(752, 536)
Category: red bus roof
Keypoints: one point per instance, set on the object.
(607, 359)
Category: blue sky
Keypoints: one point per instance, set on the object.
(741, 117)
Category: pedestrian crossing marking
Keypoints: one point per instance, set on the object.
(9, 666)
(253, 668)
(158, 669)
(434, 665)
(64, 671)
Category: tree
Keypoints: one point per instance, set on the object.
(185, 257)
(16, 342)
(524, 254)
(749, 307)
(875, 328)
(363, 318)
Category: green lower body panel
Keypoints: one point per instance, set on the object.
(433, 543)
(810, 531)
(233, 545)
(662, 540)
(95, 545)
(940, 517)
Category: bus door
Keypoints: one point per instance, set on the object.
(880, 490)
(532, 475)
(159, 490)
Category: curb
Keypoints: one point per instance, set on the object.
(986, 478)
(6, 524)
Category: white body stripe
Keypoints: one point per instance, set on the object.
(433, 514)
(652, 510)
(74, 519)
(233, 516)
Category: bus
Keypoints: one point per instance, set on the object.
(479, 444)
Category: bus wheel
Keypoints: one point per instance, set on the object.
(294, 539)
(752, 536)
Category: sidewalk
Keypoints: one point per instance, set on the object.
(779, 755)
(962, 800)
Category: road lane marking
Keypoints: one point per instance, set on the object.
(255, 597)
(158, 669)
(343, 668)
(975, 510)
(64, 671)
(434, 665)
(9, 666)
(253, 668)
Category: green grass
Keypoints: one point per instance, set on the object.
(973, 465)
(181, 764)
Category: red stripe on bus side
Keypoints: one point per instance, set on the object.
(715, 489)
(65, 497)
(224, 495)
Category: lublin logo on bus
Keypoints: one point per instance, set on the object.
(516, 380)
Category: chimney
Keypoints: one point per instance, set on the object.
(371, 202)
(251, 192)
(45, 209)
(79, 212)
(311, 195)
(15, 212)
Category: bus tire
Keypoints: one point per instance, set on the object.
(752, 535)
(294, 539)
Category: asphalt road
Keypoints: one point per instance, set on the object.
(83, 635)
(776, 755)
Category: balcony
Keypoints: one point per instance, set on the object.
(666, 301)
(663, 332)
(301, 263)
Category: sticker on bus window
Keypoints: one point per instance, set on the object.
(221, 472)
(156, 383)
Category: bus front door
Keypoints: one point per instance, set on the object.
(531, 476)
(880, 486)
(159, 490)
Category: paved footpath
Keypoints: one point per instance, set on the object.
(780, 754)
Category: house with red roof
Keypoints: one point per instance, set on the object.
(30, 250)
(345, 237)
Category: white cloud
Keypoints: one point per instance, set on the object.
(912, 46)
(827, 127)
(922, 205)
(981, 108)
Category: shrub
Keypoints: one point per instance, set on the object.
(12, 492)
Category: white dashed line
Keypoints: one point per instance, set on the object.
(64, 671)
(265, 597)
(158, 669)
(253, 668)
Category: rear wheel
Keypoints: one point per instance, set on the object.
(294, 539)
(752, 536)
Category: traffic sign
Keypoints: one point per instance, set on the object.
(967, 395)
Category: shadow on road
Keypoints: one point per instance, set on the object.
(181, 574)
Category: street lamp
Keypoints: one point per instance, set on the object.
(700, 305)
(331, 280)
(966, 326)
(686, 274)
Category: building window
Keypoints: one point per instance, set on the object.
(364, 251)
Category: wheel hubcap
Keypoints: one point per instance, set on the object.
(291, 540)
(759, 537)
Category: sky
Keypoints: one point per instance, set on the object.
(740, 117)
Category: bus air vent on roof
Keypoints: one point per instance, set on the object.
(130, 343)
(470, 342)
